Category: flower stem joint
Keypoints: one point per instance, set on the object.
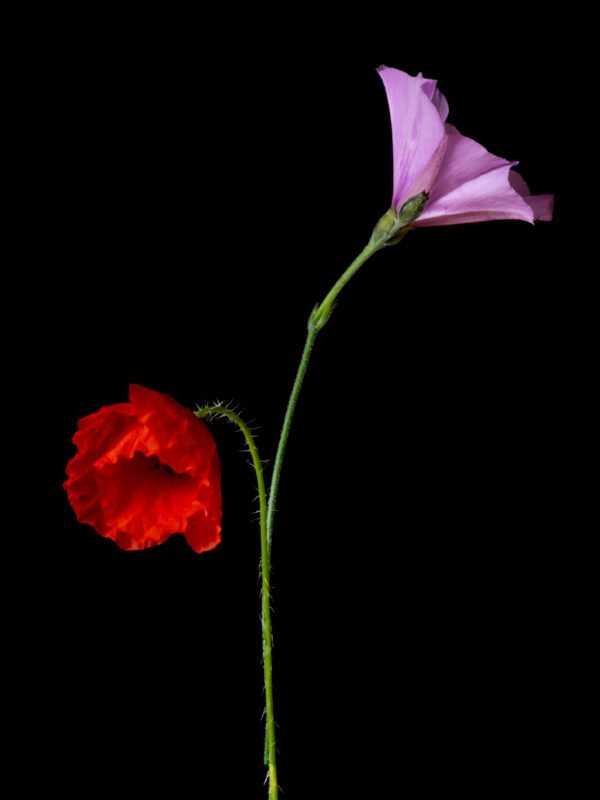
(394, 225)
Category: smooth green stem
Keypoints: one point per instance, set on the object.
(266, 608)
(285, 431)
(317, 320)
(323, 312)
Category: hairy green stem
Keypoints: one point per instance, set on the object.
(267, 639)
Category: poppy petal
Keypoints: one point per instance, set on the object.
(144, 470)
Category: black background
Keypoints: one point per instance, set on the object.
(195, 190)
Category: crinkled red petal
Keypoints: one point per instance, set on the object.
(144, 470)
(98, 433)
(204, 527)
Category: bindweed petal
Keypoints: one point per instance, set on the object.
(441, 104)
(486, 197)
(472, 185)
(464, 181)
(417, 130)
(464, 160)
(542, 205)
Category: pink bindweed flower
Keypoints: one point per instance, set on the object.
(465, 183)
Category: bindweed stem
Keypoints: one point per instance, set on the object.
(390, 229)
(317, 320)
(310, 340)
(319, 317)
(267, 639)
(323, 311)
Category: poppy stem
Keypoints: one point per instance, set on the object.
(266, 573)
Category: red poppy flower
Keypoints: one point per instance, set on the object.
(144, 470)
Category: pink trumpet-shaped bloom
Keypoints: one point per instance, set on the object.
(465, 183)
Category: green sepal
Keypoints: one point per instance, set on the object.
(385, 225)
(397, 237)
(393, 226)
(412, 209)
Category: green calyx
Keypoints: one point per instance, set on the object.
(393, 226)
